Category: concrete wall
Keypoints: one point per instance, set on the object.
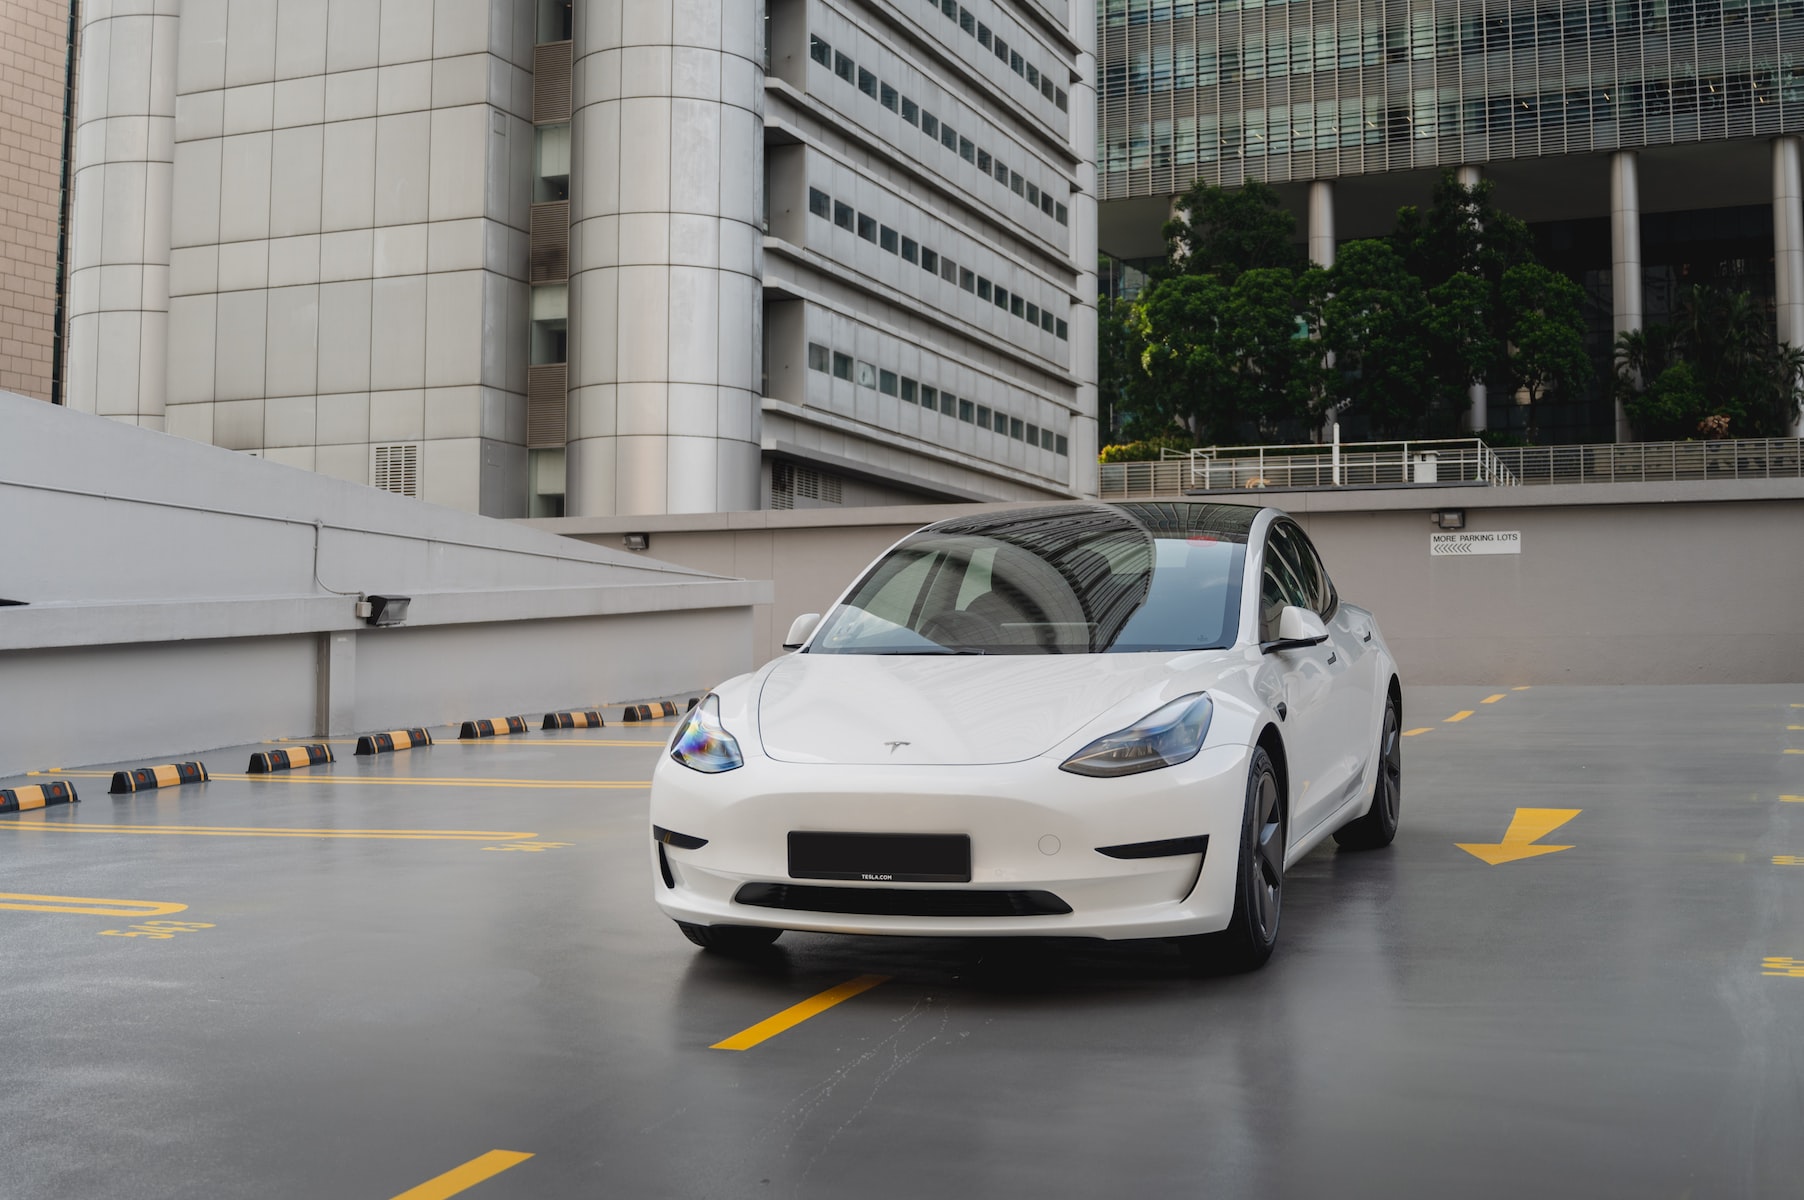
(1624, 583)
(179, 597)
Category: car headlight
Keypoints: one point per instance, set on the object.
(703, 743)
(1164, 737)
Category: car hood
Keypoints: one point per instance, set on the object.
(946, 709)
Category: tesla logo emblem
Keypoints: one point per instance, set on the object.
(894, 746)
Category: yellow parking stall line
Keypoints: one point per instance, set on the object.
(1461, 715)
(396, 835)
(498, 744)
(1793, 799)
(1414, 732)
(395, 781)
(462, 1179)
(87, 905)
(795, 1014)
(1795, 751)
(1492, 699)
(1795, 728)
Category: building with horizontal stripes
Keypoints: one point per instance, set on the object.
(597, 257)
(1650, 144)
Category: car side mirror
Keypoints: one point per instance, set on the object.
(800, 629)
(1297, 627)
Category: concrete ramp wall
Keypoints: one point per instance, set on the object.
(178, 596)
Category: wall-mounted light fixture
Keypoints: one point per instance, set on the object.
(384, 610)
(637, 541)
(1449, 518)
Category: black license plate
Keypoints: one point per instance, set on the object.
(881, 857)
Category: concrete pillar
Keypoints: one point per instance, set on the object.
(1788, 247)
(337, 683)
(1478, 402)
(1084, 424)
(666, 258)
(1625, 255)
(123, 191)
(1321, 222)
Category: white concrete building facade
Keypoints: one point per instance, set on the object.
(597, 257)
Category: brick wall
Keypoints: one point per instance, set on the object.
(34, 42)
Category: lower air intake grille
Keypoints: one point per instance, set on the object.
(899, 902)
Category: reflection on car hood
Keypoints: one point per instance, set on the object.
(944, 709)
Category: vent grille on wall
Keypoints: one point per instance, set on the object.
(550, 242)
(396, 468)
(551, 83)
(789, 482)
(546, 409)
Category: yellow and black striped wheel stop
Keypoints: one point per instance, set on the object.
(265, 761)
(143, 779)
(40, 795)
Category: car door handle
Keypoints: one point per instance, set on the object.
(1367, 637)
(1333, 658)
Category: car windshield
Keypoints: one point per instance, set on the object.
(1077, 580)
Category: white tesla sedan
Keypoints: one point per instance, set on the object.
(1106, 721)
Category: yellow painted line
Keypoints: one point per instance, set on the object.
(462, 1179)
(1788, 860)
(401, 835)
(1793, 799)
(1519, 689)
(1461, 715)
(89, 905)
(396, 781)
(1414, 732)
(499, 744)
(1784, 967)
(1492, 699)
(1795, 751)
(795, 1014)
(1795, 728)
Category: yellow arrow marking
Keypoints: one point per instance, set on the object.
(20, 902)
(1526, 827)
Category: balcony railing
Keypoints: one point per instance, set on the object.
(1447, 463)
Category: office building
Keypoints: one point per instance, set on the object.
(1649, 145)
(535, 257)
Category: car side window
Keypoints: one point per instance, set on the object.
(1284, 581)
(1327, 597)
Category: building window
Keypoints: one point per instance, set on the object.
(844, 67)
(1046, 203)
(1033, 314)
(966, 21)
(1014, 428)
(1001, 172)
(842, 365)
(1002, 298)
(929, 397)
(1060, 214)
(1058, 98)
(867, 227)
(908, 390)
(983, 161)
(950, 8)
(842, 214)
(949, 270)
(867, 83)
(930, 124)
(911, 251)
(819, 203)
(983, 416)
(911, 112)
(948, 137)
(1063, 331)
(1015, 183)
(1046, 319)
(1061, 446)
(1016, 63)
(983, 288)
(948, 403)
(1015, 305)
(887, 96)
(1033, 195)
(888, 239)
(967, 412)
(966, 150)
(983, 35)
(887, 382)
(867, 375)
(818, 358)
(967, 279)
(1045, 439)
(820, 51)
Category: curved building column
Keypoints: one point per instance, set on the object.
(1788, 247)
(1084, 425)
(666, 258)
(1625, 255)
(1478, 399)
(123, 189)
(1321, 223)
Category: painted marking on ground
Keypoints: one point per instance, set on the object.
(498, 744)
(1492, 699)
(1461, 715)
(1793, 799)
(1795, 751)
(462, 1179)
(1524, 688)
(1784, 967)
(398, 781)
(1414, 732)
(387, 835)
(1788, 860)
(1528, 825)
(88, 905)
(795, 1014)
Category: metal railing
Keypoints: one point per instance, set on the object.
(1465, 461)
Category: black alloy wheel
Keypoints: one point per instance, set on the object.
(1378, 827)
(1252, 932)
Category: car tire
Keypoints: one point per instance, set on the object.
(1378, 827)
(1252, 932)
(730, 939)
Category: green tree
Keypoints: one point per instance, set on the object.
(1461, 233)
(1224, 232)
(1544, 331)
(1120, 377)
(1372, 319)
(1732, 369)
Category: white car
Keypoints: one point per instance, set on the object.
(1102, 721)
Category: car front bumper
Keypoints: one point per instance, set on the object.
(1033, 829)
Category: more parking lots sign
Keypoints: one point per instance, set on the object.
(1467, 544)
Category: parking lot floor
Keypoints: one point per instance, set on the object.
(364, 979)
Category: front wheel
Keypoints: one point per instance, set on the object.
(1252, 932)
(1378, 827)
(730, 939)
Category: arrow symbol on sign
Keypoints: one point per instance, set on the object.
(1528, 826)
